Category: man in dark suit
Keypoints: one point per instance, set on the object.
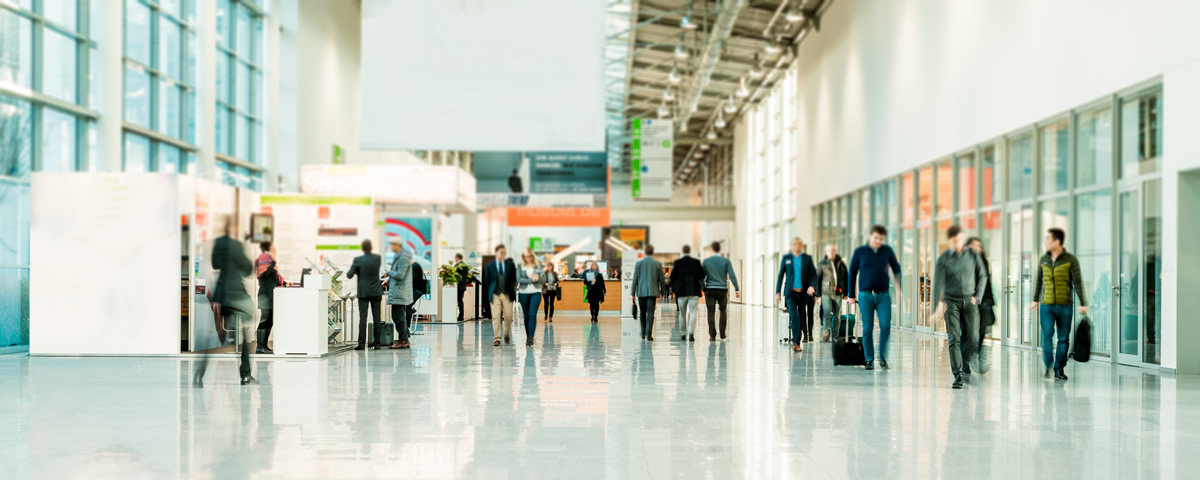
(687, 281)
(370, 293)
(800, 273)
(230, 295)
(594, 280)
(500, 282)
(464, 279)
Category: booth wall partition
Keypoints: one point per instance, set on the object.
(1094, 171)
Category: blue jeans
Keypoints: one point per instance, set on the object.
(869, 305)
(1055, 316)
(529, 306)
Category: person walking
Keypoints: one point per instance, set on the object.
(831, 288)
(987, 306)
(872, 262)
(687, 281)
(464, 279)
(400, 291)
(500, 282)
(370, 294)
(648, 284)
(231, 298)
(959, 279)
(1057, 278)
(593, 279)
(800, 274)
(550, 291)
(530, 279)
(718, 273)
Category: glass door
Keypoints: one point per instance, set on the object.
(1128, 334)
(1018, 279)
(925, 262)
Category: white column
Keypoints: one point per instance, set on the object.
(206, 89)
(270, 86)
(110, 96)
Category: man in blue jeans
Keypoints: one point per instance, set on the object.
(1058, 276)
(872, 262)
(798, 274)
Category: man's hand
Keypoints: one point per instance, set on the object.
(812, 291)
(973, 301)
(941, 309)
(1083, 310)
(851, 301)
(778, 298)
(737, 293)
(1033, 306)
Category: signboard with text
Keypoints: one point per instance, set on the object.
(541, 179)
(651, 154)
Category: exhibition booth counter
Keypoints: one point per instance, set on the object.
(574, 297)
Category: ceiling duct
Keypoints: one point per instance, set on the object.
(722, 28)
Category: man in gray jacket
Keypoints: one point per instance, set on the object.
(831, 287)
(716, 289)
(959, 279)
(370, 293)
(400, 291)
(648, 284)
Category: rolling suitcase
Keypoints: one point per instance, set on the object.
(785, 326)
(848, 349)
(387, 334)
(847, 323)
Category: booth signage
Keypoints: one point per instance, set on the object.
(652, 151)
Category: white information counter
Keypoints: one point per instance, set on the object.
(302, 318)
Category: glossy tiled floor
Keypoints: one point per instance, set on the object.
(594, 402)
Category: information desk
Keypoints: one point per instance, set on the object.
(572, 296)
(302, 318)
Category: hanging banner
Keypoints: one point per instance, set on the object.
(541, 179)
(651, 152)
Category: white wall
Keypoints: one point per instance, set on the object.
(889, 85)
(320, 52)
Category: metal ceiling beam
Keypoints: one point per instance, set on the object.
(722, 27)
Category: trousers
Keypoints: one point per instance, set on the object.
(714, 298)
(502, 311)
(832, 305)
(373, 303)
(647, 304)
(962, 332)
(400, 317)
(686, 317)
(1055, 317)
(872, 305)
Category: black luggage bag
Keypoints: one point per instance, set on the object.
(1082, 349)
(848, 349)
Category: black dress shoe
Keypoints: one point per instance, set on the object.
(360, 347)
(650, 338)
(722, 336)
(1060, 375)
(643, 337)
(683, 338)
(869, 366)
(712, 339)
(958, 382)
(884, 365)
(1047, 374)
(691, 338)
(249, 381)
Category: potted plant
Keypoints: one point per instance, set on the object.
(449, 275)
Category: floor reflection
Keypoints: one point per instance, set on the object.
(593, 401)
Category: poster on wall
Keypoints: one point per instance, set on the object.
(319, 232)
(541, 179)
(652, 154)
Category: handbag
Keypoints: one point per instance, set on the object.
(558, 294)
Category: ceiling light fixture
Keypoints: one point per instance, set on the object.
(668, 96)
(795, 15)
(720, 123)
(691, 162)
(662, 111)
(673, 78)
(680, 53)
(731, 105)
(773, 48)
(743, 91)
(704, 146)
(711, 135)
(756, 71)
(686, 23)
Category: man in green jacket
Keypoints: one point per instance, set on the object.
(1057, 277)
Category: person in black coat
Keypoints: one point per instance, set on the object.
(687, 282)
(594, 280)
(987, 310)
(230, 297)
(464, 279)
(370, 293)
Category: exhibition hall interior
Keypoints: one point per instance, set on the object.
(599, 239)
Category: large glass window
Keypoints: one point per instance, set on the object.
(239, 71)
(1055, 146)
(992, 168)
(1141, 134)
(967, 191)
(1094, 148)
(1020, 166)
(1056, 213)
(16, 130)
(159, 80)
(1093, 248)
(58, 141)
(945, 188)
(1152, 234)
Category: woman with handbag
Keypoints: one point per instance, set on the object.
(550, 290)
(987, 311)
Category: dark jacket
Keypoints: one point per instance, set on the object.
(230, 258)
(595, 288)
(872, 266)
(1056, 279)
(490, 275)
(267, 281)
(988, 300)
(808, 273)
(958, 276)
(464, 274)
(831, 277)
(366, 267)
(687, 277)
